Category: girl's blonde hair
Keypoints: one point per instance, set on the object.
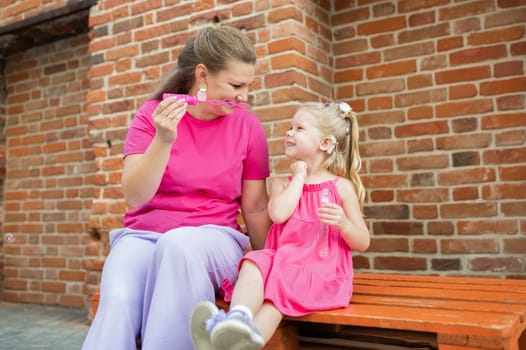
(214, 47)
(339, 120)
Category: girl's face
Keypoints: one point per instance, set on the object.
(303, 139)
(229, 85)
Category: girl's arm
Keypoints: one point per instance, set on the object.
(347, 219)
(285, 195)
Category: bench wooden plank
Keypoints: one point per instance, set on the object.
(419, 319)
(468, 282)
(442, 293)
(423, 302)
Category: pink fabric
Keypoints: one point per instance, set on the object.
(203, 179)
(298, 281)
(226, 290)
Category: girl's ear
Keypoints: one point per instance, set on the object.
(328, 144)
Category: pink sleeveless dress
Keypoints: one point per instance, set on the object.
(297, 279)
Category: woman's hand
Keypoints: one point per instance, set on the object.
(166, 117)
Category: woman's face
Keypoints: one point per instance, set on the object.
(229, 85)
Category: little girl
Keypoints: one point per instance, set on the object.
(306, 265)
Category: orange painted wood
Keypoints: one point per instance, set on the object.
(420, 319)
(439, 303)
(459, 310)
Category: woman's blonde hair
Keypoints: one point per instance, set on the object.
(213, 46)
(339, 120)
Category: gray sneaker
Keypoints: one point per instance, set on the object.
(202, 312)
(236, 332)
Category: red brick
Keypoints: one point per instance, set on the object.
(465, 246)
(497, 264)
(465, 10)
(420, 18)
(381, 26)
(473, 210)
(425, 212)
(470, 107)
(416, 129)
(513, 102)
(480, 227)
(463, 74)
(500, 87)
(288, 60)
(465, 193)
(426, 246)
(399, 263)
(499, 121)
(495, 36)
(504, 191)
(422, 162)
(462, 142)
(382, 40)
(382, 196)
(513, 173)
(438, 30)
(389, 69)
(389, 245)
(472, 55)
(380, 103)
(505, 156)
(447, 44)
(503, 18)
(419, 81)
(286, 44)
(421, 97)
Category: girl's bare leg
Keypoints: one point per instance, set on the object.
(249, 287)
(267, 320)
(249, 292)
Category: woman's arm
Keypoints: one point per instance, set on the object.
(254, 199)
(347, 219)
(142, 173)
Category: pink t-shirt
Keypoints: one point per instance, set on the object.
(203, 178)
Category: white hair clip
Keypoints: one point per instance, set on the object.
(344, 108)
(333, 145)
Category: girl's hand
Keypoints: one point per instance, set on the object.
(166, 117)
(334, 215)
(299, 167)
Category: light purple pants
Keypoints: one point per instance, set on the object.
(151, 282)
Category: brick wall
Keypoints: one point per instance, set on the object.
(13, 11)
(2, 169)
(439, 89)
(50, 170)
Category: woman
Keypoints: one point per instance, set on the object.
(188, 169)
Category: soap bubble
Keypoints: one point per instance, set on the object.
(9, 238)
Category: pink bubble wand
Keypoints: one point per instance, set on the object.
(192, 101)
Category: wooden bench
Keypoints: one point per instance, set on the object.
(456, 313)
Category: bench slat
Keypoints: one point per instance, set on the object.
(441, 293)
(469, 281)
(424, 302)
(419, 319)
(443, 286)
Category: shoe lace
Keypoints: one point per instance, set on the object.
(214, 320)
